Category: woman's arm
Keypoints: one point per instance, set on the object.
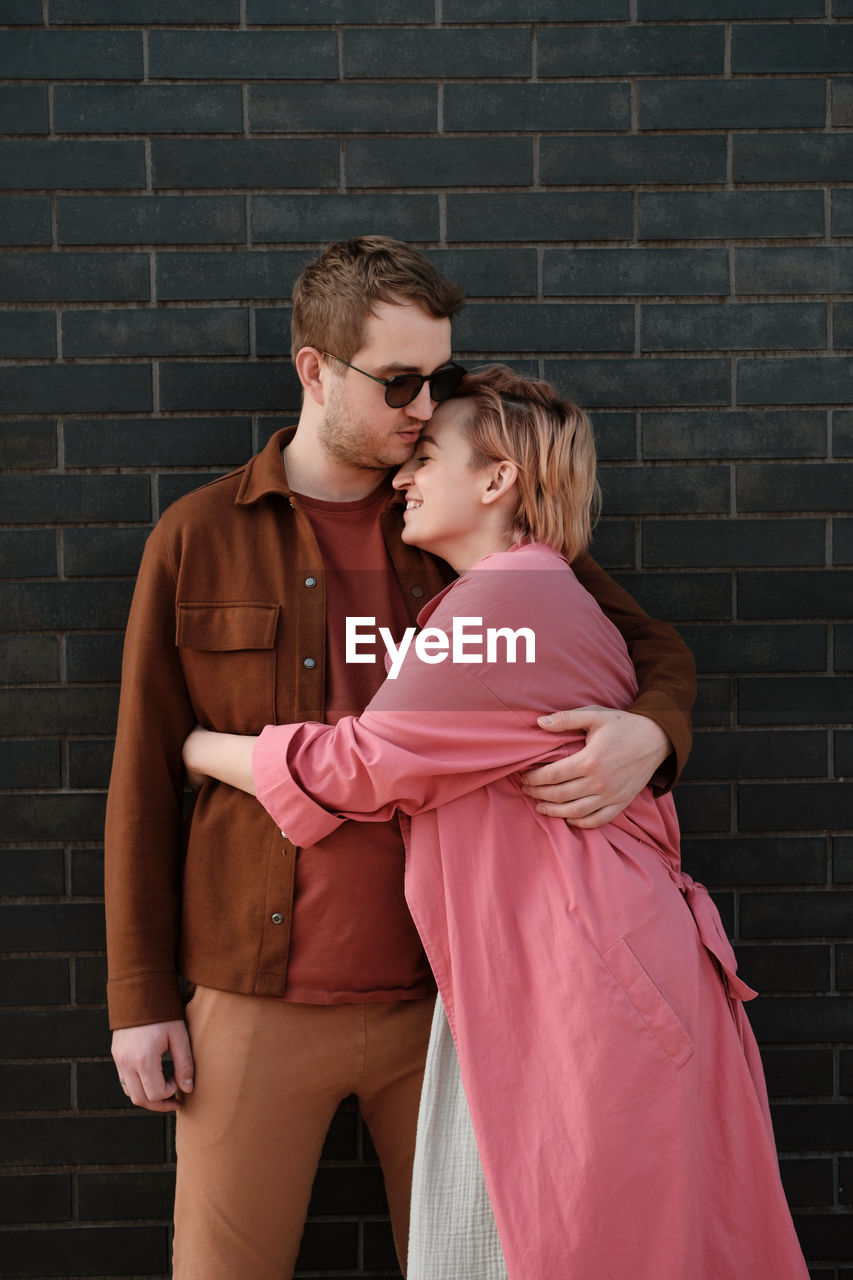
(225, 756)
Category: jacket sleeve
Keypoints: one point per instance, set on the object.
(143, 839)
(666, 673)
(401, 753)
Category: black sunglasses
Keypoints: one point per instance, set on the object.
(406, 387)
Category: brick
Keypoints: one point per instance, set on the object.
(706, 544)
(184, 219)
(809, 157)
(653, 490)
(798, 1072)
(128, 13)
(27, 445)
(89, 765)
(335, 217)
(27, 553)
(174, 485)
(842, 541)
(61, 605)
(94, 658)
(795, 380)
(648, 9)
(489, 273)
(215, 331)
(73, 499)
(29, 659)
(807, 1182)
(52, 817)
(758, 754)
(90, 986)
(808, 593)
(713, 703)
(23, 108)
(272, 331)
(91, 1251)
(243, 55)
(450, 162)
(344, 1190)
(535, 10)
(844, 648)
(634, 160)
(733, 326)
(605, 383)
(843, 324)
(795, 700)
(780, 969)
(825, 1235)
(96, 388)
(30, 166)
(268, 273)
(25, 220)
(343, 108)
(800, 48)
(46, 1087)
(29, 764)
(794, 487)
(32, 873)
(41, 1197)
(844, 753)
(165, 442)
(27, 335)
(87, 881)
(630, 51)
(270, 12)
(753, 860)
(794, 270)
(244, 162)
(793, 807)
(330, 1246)
(724, 215)
(510, 328)
(846, 1071)
(570, 215)
(60, 710)
(631, 271)
(731, 104)
(74, 277)
(228, 386)
(616, 436)
(680, 595)
(123, 1196)
(71, 55)
(844, 968)
(536, 107)
(704, 808)
(746, 433)
(108, 553)
(67, 926)
(801, 1020)
(21, 11)
(148, 109)
(379, 1249)
(843, 434)
(842, 102)
(410, 54)
(613, 544)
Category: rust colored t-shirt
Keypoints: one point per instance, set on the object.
(352, 938)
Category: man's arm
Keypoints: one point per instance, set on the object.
(143, 844)
(625, 750)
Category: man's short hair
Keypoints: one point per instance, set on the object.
(336, 292)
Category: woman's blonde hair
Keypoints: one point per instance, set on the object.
(550, 440)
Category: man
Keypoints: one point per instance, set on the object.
(310, 981)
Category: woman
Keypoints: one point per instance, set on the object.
(614, 1086)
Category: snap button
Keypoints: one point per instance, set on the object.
(284, 835)
(310, 582)
(277, 917)
(309, 663)
(417, 592)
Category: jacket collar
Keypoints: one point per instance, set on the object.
(264, 473)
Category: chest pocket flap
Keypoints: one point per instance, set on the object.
(226, 626)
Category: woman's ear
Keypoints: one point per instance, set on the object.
(309, 366)
(502, 477)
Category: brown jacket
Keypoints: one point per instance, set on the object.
(227, 629)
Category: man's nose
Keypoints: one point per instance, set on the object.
(422, 406)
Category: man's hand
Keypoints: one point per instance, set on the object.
(137, 1053)
(623, 751)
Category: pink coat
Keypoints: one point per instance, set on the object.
(612, 1077)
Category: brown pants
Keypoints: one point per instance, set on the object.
(269, 1077)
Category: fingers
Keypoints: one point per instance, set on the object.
(138, 1055)
(584, 814)
(582, 718)
(182, 1058)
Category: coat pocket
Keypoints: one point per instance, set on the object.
(649, 1002)
(228, 653)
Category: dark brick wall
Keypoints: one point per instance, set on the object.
(648, 201)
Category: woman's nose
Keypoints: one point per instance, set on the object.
(405, 475)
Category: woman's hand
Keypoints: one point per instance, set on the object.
(191, 749)
(226, 756)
